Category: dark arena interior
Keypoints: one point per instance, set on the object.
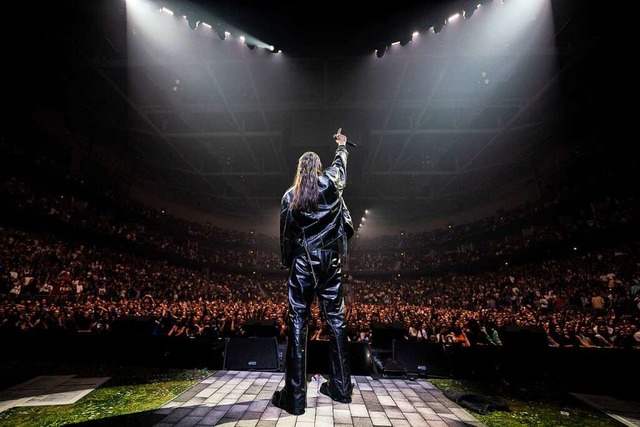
(145, 148)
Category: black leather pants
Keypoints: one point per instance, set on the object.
(326, 284)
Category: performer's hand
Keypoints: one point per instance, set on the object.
(340, 138)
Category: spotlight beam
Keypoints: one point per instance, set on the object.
(370, 160)
(425, 107)
(225, 102)
(157, 132)
(507, 126)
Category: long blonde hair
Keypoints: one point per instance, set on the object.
(305, 183)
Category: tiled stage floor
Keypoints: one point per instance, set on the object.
(243, 398)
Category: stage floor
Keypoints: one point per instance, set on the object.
(243, 398)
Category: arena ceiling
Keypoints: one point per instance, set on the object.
(486, 109)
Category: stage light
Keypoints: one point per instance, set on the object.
(469, 9)
(206, 25)
(438, 26)
(193, 23)
(167, 11)
(406, 39)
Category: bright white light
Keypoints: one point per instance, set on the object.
(242, 39)
(227, 34)
(206, 25)
(478, 5)
(415, 34)
(165, 10)
(366, 211)
(395, 43)
(271, 48)
(363, 219)
(453, 17)
(184, 16)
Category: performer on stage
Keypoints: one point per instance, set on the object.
(315, 225)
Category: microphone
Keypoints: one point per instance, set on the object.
(349, 143)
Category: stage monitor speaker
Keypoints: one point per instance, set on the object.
(394, 368)
(251, 354)
(383, 334)
(422, 358)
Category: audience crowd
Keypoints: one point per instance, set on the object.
(56, 281)
(56, 286)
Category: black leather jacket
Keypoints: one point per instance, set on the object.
(329, 226)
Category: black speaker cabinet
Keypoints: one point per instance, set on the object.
(394, 368)
(251, 354)
(412, 355)
(382, 334)
(422, 358)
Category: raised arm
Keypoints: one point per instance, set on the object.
(337, 172)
